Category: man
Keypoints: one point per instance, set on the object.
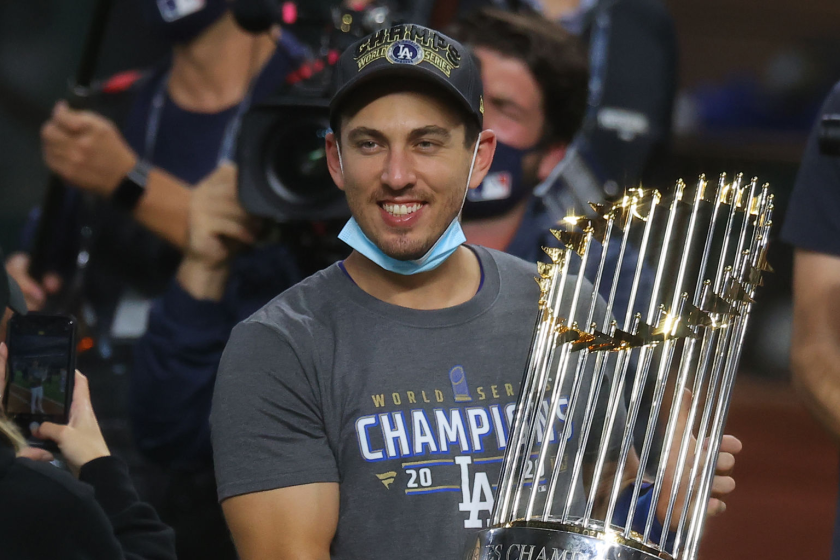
(37, 376)
(811, 225)
(534, 74)
(364, 411)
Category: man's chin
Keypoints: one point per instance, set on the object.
(406, 256)
(405, 253)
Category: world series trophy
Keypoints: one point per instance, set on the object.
(619, 421)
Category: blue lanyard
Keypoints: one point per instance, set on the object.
(231, 130)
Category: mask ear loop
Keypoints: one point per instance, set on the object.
(340, 163)
(469, 176)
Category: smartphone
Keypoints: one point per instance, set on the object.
(40, 371)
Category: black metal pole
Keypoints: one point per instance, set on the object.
(54, 197)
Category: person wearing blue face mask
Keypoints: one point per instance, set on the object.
(535, 79)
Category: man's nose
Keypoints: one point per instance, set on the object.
(399, 170)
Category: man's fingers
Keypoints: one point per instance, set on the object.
(52, 135)
(725, 463)
(81, 395)
(70, 120)
(48, 430)
(722, 485)
(17, 265)
(225, 208)
(234, 230)
(716, 507)
(731, 444)
(52, 282)
(36, 454)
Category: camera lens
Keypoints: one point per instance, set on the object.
(296, 163)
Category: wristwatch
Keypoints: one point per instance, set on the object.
(131, 188)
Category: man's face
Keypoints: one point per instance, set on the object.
(513, 101)
(405, 170)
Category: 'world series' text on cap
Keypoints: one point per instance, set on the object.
(409, 50)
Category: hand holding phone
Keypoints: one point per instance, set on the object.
(81, 439)
(40, 370)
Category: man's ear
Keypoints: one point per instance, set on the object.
(551, 156)
(484, 157)
(333, 160)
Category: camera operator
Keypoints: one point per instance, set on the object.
(534, 74)
(48, 514)
(132, 160)
(811, 225)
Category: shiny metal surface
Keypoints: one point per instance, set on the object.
(614, 413)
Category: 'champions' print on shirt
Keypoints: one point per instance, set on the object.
(449, 438)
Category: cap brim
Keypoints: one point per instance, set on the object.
(16, 299)
(398, 70)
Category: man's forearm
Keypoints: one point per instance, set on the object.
(164, 207)
(816, 378)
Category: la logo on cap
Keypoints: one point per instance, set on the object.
(405, 52)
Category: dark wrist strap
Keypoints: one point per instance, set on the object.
(131, 189)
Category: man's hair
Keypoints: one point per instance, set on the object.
(358, 99)
(554, 56)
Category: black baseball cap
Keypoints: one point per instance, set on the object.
(410, 51)
(10, 294)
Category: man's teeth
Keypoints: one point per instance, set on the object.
(401, 209)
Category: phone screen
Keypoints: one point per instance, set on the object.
(40, 369)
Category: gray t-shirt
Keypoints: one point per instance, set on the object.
(409, 410)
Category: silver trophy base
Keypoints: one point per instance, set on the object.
(561, 542)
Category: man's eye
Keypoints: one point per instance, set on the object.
(367, 145)
(425, 145)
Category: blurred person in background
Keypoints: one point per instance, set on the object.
(811, 225)
(633, 66)
(48, 514)
(132, 160)
(534, 74)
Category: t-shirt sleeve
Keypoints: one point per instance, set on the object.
(812, 221)
(267, 421)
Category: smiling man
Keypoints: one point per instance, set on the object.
(365, 411)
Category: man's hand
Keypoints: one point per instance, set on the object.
(35, 293)
(722, 484)
(81, 439)
(86, 149)
(218, 228)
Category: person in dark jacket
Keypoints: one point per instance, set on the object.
(46, 513)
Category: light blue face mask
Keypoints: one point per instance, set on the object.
(443, 248)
